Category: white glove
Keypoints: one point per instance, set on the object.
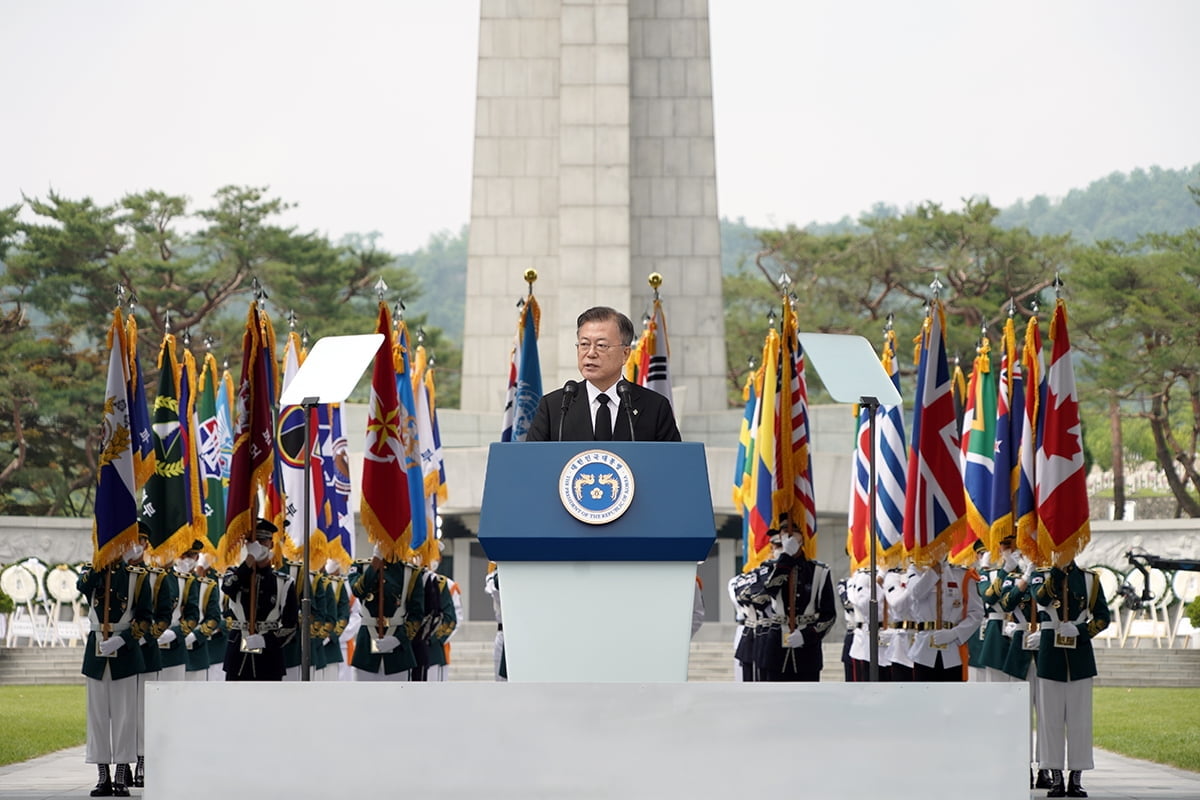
(1009, 629)
(944, 637)
(325, 641)
(1068, 629)
(256, 641)
(190, 640)
(791, 545)
(111, 645)
(795, 638)
(387, 644)
(167, 637)
(1033, 639)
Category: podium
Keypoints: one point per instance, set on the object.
(597, 545)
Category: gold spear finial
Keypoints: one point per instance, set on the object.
(531, 278)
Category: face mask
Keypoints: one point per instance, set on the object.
(332, 566)
(134, 551)
(185, 564)
(256, 551)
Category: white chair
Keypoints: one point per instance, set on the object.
(1185, 585)
(1150, 620)
(1110, 583)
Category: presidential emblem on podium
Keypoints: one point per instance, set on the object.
(596, 486)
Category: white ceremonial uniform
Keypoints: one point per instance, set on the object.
(961, 613)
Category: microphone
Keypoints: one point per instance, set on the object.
(569, 390)
(623, 393)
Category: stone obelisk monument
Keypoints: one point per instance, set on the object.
(594, 165)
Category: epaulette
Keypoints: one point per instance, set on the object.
(135, 569)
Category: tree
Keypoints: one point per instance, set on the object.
(57, 292)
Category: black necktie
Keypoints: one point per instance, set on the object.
(604, 426)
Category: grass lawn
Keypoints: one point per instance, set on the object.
(1160, 725)
(36, 720)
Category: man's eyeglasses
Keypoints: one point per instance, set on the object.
(600, 347)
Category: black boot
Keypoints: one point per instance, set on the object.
(1074, 787)
(120, 787)
(104, 787)
(1057, 787)
(1043, 779)
(139, 777)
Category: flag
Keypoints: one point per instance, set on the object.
(334, 517)
(978, 454)
(252, 460)
(114, 525)
(139, 411)
(1009, 411)
(189, 383)
(745, 445)
(274, 507)
(934, 506)
(411, 437)
(889, 475)
(797, 497)
(385, 504)
(654, 346)
(209, 444)
(766, 440)
(528, 391)
(225, 406)
(510, 397)
(1062, 502)
(166, 497)
(1033, 372)
(433, 467)
(290, 440)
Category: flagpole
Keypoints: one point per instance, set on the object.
(872, 405)
(308, 404)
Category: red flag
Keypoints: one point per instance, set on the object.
(1062, 502)
(253, 439)
(385, 507)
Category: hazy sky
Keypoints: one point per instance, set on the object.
(362, 112)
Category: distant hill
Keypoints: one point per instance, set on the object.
(1121, 207)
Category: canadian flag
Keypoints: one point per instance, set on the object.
(1062, 503)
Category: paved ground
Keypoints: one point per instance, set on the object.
(63, 774)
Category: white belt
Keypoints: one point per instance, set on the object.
(997, 615)
(265, 625)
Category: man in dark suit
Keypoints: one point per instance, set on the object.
(603, 338)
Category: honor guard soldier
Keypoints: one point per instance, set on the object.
(491, 586)
(321, 619)
(447, 624)
(172, 644)
(765, 643)
(261, 612)
(338, 594)
(802, 595)
(165, 600)
(200, 656)
(435, 628)
(948, 612)
(120, 609)
(392, 603)
(993, 642)
(843, 590)
(858, 592)
(1017, 602)
(897, 640)
(1066, 665)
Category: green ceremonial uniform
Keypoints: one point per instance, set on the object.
(994, 645)
(445, 623)
(128, 601)
(201, 655)
(319, 608)
(1082, 604)
(393, 607)
(339, 609)
(166, 596)
(184, 620)
(1018, 603)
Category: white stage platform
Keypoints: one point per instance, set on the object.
(589, 740)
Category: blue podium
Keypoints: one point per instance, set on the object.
(597, 545)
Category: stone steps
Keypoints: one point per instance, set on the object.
(710, 660)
